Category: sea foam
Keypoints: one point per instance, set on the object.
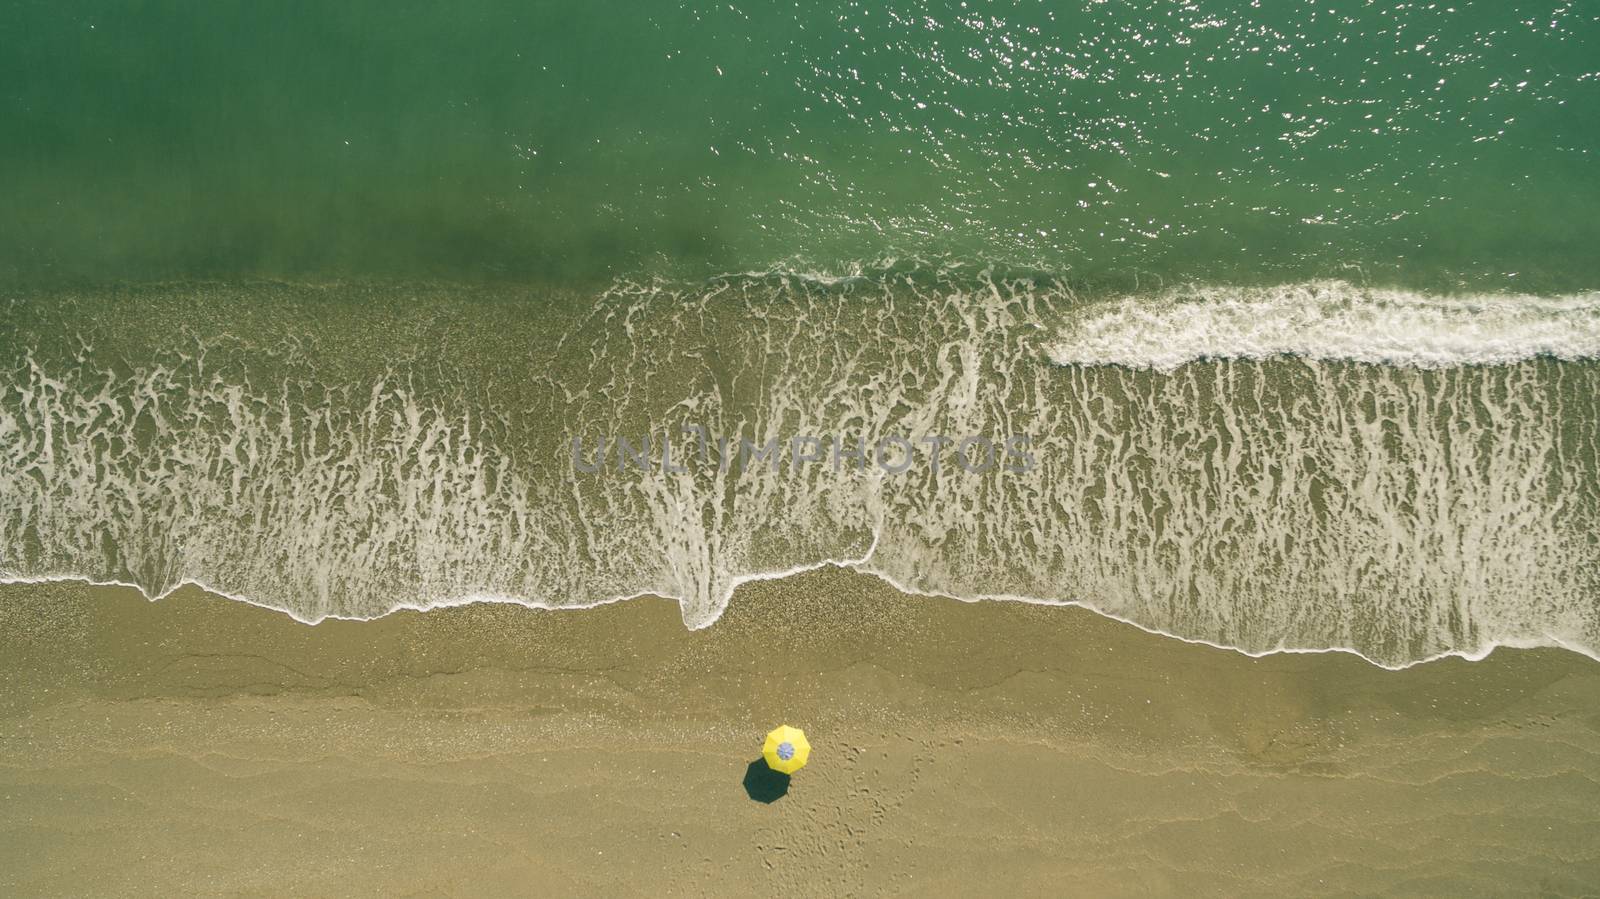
(1264, 504)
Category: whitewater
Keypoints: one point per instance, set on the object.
(1302, 467)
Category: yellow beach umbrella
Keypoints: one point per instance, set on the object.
(786, 749)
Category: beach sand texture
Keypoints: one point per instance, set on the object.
(199, 746)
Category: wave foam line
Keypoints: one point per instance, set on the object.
(1329, 320)
(860, 566)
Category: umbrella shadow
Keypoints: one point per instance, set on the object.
(764, 784)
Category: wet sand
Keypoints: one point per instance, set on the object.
(200, 746)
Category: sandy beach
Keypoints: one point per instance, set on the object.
(201, 746)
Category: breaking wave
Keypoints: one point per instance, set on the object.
(1330, 320)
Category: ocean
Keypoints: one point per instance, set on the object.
(1273, 326)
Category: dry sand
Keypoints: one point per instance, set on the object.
(198, 746)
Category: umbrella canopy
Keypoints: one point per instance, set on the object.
(786, 749)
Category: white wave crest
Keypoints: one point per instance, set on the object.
(1329, 320)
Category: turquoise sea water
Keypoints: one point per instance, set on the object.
(1450, 143)
(1297, 303)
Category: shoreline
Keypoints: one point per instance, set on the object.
(856, 567)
